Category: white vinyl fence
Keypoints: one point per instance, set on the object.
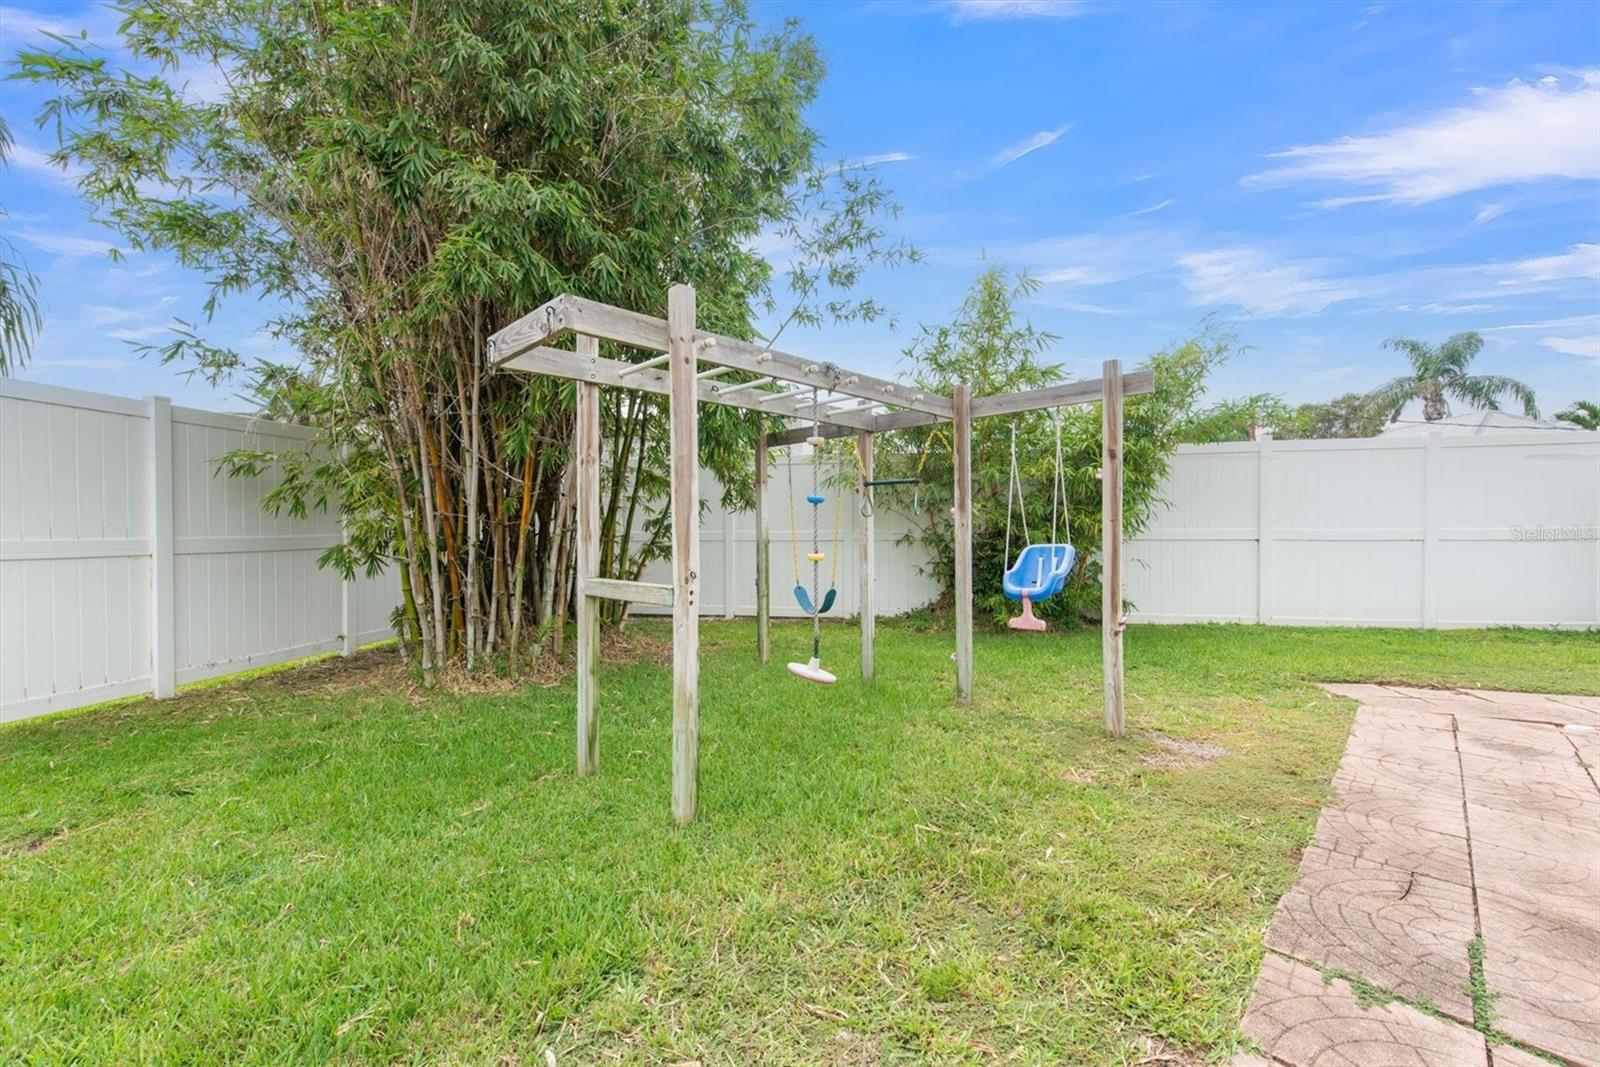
(1421, 531)
(728, 549)
(129, 564)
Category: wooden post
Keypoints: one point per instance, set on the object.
(763, 554)
(1111, 543)
(869, 618)
(163, 621)
(586, 446)
(963, 542)
(685, 554)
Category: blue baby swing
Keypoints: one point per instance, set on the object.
(1041, 570)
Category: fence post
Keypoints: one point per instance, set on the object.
(730, 564)
(1430, 531)
(1263, 529)
(347, 615)
(163, 625)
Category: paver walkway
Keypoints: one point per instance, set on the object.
(1463, 853)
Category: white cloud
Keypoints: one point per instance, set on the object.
(17, 24)
(1580, 261)
(62, 244)
(1260, 283)
(1550, 324)
(873, 161)
(82, 363)
(139, 333)
(1027, 146)
(32, 161)
(1489, 212)
(97, 315)
(990, 10)
(1583, 347)
(1515, 134)
(1442, 308)
(1081, 274)
(1151, 210)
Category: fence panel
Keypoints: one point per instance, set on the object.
(129, 564)
(1431, 531)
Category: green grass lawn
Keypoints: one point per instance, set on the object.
(325, 864)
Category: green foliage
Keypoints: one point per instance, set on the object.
(1350, 415)
(1584, 414)
(1236, 420)
(19, 292)
(988, 345)
(1439, 373)
(402, 180)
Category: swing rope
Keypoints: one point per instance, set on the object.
(816, 560)
(1014, 488)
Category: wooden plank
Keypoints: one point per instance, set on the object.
(656, 593)
(763, 553)
(1111, 621)
(785, 438)
(869, 575)
(586, 448)
(1055, 396)
(560, 363)
(963, 541)
(569, 313)
(685, 440)
(1134, 383)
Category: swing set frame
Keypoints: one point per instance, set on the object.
(781, 385)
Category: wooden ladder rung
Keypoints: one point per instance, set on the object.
(637, 592)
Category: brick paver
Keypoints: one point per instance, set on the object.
(1459, 814)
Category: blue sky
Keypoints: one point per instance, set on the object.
(1320, 177)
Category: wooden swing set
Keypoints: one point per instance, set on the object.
(819, 399)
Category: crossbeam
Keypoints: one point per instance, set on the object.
(573, 314)
(598, 370)
(1134, 383)
(785, 438)
(637, 592)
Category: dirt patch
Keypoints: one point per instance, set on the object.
(630, 644)
(1179, 754)
(30, 843)
(1154, 1052)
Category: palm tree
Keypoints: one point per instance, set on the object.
(1439, 373)
(1584, 414)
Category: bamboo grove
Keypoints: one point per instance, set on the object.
(396, 181)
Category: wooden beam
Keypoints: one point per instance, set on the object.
(654, 593)
(785, 438)
(685, 445)
(963, 542)
(568, 313)
(1111, 623)
(869, 619)
(1056, 396)
(560, 363)
(1134, 383)
(763, 554)
(586, 441)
